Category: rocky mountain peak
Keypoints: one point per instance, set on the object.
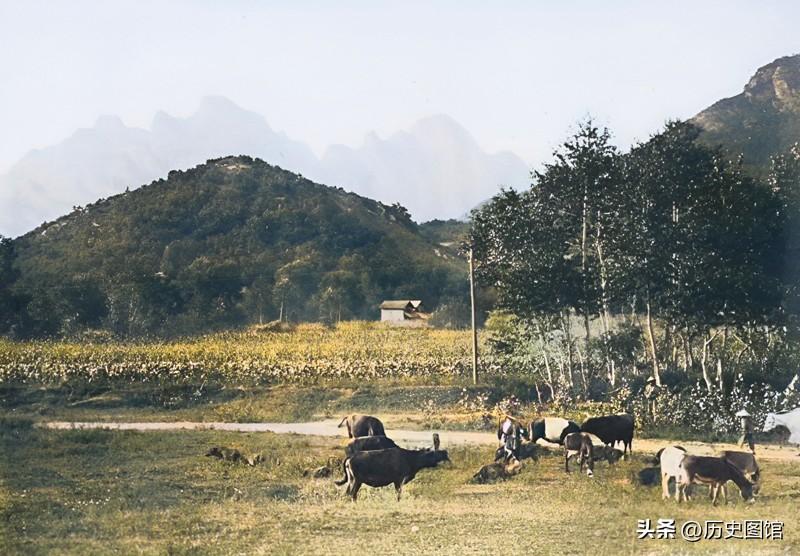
(777, 83)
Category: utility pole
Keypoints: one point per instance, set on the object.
(474, 329)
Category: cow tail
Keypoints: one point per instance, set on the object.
(344, 470)
(342, 422)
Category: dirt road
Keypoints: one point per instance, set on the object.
(411, 438)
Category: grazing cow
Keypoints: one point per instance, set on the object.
(714, 472)
(747, 464)
(497, 471)
(380, 468)
(552, 429)
(368, 443)
(579, 444)
(611, 429)
(669, 459)
(362, 425)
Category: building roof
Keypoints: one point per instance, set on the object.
(398, 304)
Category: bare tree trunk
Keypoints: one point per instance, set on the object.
(704, 359)
(543, 349)
(610, 371)
(565, 324)
(581, 361)
(652, 342)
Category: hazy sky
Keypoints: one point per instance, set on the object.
(518, 75)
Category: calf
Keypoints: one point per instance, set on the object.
(368, 443)
(747, 464)
(579, 444)
(611, 429)
(669, 459)
(380, 468)
(552, 429)
(714, 472)
(362, 425)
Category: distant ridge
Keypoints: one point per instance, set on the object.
(436, 169)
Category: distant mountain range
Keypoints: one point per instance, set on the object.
(761, 121)
(436, 169)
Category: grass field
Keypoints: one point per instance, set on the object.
(102, 492)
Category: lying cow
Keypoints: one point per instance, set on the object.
(611, 429)
(552, 429)
(362, 425)
(711, 471)
(380, 468)
(747, 464)
(607, 453)
(497, 471)
(670, 459)
(579, 444)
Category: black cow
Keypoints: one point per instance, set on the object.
(368, 443)
(552, 429)
(362, 425)
(579, 444)
(611, 429)
(380, 468)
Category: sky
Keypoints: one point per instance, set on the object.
(517, 75)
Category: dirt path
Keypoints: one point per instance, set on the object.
(411, 438)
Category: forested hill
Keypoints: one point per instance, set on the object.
(763, 120)
(226, 243)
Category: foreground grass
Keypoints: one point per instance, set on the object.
(100, 492)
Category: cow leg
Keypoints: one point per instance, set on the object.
(724, 493)
(398, 487)
(354, 490)
(665, 486)
(714, 494)
(566, 461)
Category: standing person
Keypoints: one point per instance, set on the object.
(509, 433)
(747, 430)
(651, 391)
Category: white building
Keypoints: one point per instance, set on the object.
(403, 312)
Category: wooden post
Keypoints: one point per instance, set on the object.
(474, 329)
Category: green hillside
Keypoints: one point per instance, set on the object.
(230, 242)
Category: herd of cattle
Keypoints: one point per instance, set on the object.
(374, 459)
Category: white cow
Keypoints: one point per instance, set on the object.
(789, 419)
(670, 460)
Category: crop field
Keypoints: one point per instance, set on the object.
(103, 492)
(352, 351)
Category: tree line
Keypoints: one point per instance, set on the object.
(668, 261)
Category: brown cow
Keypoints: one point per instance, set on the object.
(362, 425)
(711, 471)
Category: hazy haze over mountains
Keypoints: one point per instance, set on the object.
(436, 169)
